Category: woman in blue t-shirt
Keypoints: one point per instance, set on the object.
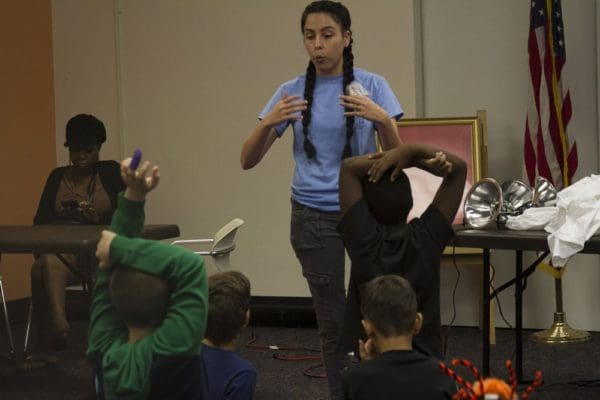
(328, 126)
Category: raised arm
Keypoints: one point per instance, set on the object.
(183, 327)
(257, 144)
(451, 168)
(128, 221)
(255, 147)
(388, 133)
(350, 183)
(365, 107)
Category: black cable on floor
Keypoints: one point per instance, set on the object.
(308, 371)
(447, 334)
(498, 297)
(579, 384)
(251, 343)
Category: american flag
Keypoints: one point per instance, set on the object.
(550, 151)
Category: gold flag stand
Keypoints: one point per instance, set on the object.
(560, 331)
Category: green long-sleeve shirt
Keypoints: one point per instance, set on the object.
(153, 364)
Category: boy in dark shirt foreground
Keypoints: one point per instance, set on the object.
(390, 368)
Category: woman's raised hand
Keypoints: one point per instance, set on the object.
(289, 108)
(364, 107)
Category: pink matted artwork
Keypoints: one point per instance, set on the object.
(456, 138)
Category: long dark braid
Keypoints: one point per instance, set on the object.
(342, 16)
(309, 88)
(348, 78)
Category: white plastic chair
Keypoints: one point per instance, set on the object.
(220, 245)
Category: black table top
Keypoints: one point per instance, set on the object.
(66, 238)
(511, 240)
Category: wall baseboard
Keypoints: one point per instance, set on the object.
(293, 312)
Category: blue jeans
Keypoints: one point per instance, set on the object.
(320, 250)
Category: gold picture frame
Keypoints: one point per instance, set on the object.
(464, 136)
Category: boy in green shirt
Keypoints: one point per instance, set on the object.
(149, 307)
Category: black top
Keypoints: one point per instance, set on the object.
(398, 374)
(411, 250)
(110, 176)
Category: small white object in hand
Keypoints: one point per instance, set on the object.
(356, 89)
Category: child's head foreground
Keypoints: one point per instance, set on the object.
(393, 369)
(229, 306)
(389, 307)
(140, 299)
(228, 375)
(389, 201)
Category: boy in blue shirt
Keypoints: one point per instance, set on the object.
(228, 375)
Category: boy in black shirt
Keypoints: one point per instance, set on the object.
(380, 242)
(390, 368)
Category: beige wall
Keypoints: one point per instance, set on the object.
(185, 80)
(194, 76)
(475, 57)
(85, 73)
(26, 123)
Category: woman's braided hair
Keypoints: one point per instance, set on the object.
(342, 16)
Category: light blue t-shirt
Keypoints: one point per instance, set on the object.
(315, 183)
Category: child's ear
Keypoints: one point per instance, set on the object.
(418, 324)
(368, 327)
(247, 318)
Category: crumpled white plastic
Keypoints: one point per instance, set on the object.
(532, 219)
(577, 220)
(574, 220)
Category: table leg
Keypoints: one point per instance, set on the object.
(11, 350)
(519, 287)
(486, 312)
(86, 260)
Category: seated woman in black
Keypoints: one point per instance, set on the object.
(84, 192)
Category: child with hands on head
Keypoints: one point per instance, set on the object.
(149, 306)
(375, 200)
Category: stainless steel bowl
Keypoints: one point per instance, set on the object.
(483, 204)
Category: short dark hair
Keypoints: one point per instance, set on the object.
(140, 299)
(85, 129)
(389, 202)
(390, 303)
(228, 302)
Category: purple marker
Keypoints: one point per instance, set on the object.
(135, 159)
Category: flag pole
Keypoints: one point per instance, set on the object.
(547, 18)
(560, 331)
